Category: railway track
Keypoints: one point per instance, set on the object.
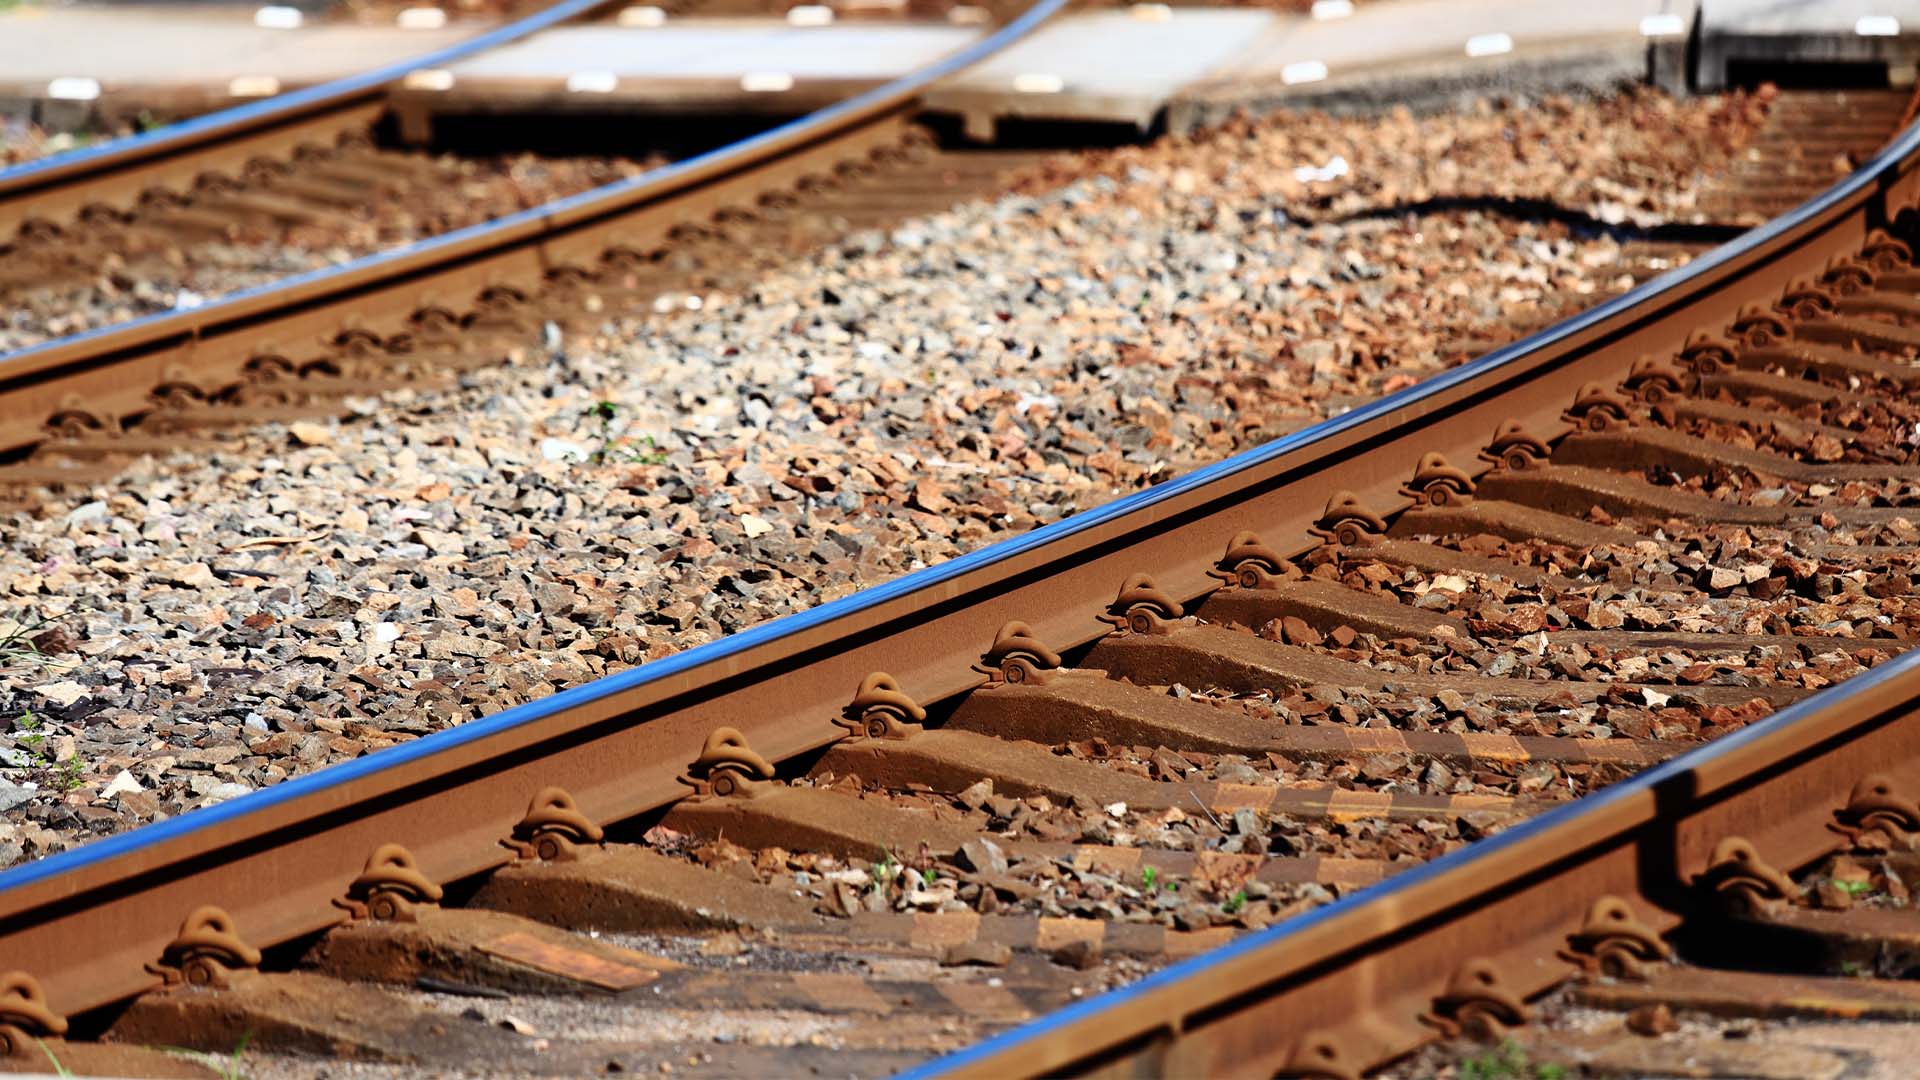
(312, 145)
(302, 160)
(914, 817)
(90, 402)
(307, 165)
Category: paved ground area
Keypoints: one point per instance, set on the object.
(703, 65)
(1195, 64)
(185, 58)
(1125, 65)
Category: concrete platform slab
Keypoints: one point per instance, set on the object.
(1193, 65)
(1110, 66)
(1743, 40)
(1384, 34)
(688, 66)
(185, 59)
(1403, 52)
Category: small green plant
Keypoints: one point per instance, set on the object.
(72, 774)
(927, 878)
(641, 451)
(31, 736)
(231, 1071)
(1854, 888)
(1151, 881)
(652, 455)
(58, 1069)
(1852, 969)
(885, 869)
(1508, 1061)
(18, 647)
(1234, 903)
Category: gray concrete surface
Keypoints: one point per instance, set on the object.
(1753, 37)
(183, 59)
(1112, 66)
(1189, 66)
(729, 66)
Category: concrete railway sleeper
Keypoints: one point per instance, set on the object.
(1158, 731)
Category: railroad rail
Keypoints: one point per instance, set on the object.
(1199, 663)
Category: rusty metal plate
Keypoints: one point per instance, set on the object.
(575, 964)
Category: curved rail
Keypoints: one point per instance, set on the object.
(619, 744)
(178, 153)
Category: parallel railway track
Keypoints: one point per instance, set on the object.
(311, 160)
(80, 406)
(887, 828)
(214, 158)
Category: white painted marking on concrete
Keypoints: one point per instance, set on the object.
(433, 79)
(73, 88)
(277, 17)
(1332, 170)
(1332, 9)
(810, 15)
(766, 82)
(1663, 25)
(1038, 82)
(1303, 71)
(644, 16)
(253, 86)
(1489, 45)
(421, 18)
(592, 82)
(1877, 26)
(968, 15)
(1151, 12)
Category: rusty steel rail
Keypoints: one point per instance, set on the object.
(45, 193)
(276, 860)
